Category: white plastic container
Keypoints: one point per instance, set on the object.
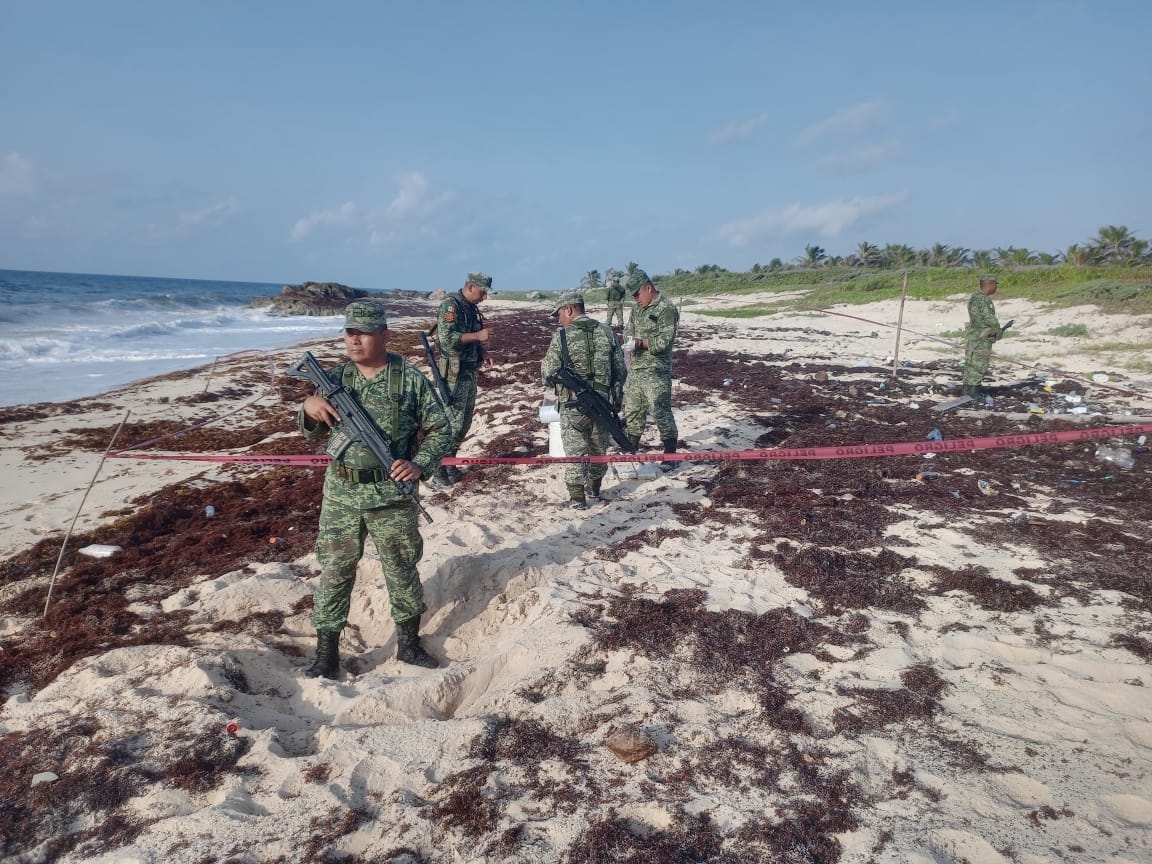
(550, 414)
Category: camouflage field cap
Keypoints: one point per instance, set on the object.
(636, 281)
(367, 316)
(568, 298)
(481, 279)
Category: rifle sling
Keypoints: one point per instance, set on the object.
(395, 386)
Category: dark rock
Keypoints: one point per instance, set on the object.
(324, 298)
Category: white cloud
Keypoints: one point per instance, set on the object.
(346, 214)
(740, 129)
(405, 217)
(854, 119)
(210, 215)
(855, 160)
(413, 197)
(17, 177)
(828, 219)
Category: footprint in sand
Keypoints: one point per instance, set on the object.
(1023, 791)
(1131, 809)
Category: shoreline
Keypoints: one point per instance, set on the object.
(862, 647)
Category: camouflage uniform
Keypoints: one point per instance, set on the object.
(400, 401)
(615, 301)
(983, 330)
(460, 363)
(648, 389)
(596, 357)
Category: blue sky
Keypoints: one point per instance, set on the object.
(389, 145)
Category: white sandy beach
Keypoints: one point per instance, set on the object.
(933, 725)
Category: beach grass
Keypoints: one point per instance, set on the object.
(1113, 289)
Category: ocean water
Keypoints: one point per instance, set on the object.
(68, 335)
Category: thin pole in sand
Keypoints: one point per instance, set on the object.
(211, 372)
(64, 545)
(899, 327)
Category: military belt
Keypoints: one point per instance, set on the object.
(360, 475)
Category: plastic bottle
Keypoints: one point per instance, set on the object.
(209, 511)
(1121, 457)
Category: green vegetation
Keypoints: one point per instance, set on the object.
(741, 311)
(1073, 330)
(1112, 288)
(1112, 271)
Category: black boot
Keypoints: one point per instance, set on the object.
(592, 488)
(408, 647)
(669, 447)
(577, 499)
(327, 663)
(454, 474)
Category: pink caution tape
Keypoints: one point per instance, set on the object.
(843, 451)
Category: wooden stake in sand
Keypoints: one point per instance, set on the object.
(64, 545)
(899, 326)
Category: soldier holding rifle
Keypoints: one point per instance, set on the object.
(462, 337)
(364, 498)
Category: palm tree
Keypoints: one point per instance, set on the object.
(814, 256)
(983, 259)
(938, 255)
(1079, 256)
(591, 280)
(1114, 242)
(899, 255)
(958, 256)
(1047, 258)
(632, 267)
(1004, 254)
(1022, 256)
(775, 264)
(868, 255)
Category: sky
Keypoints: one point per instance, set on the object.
(391, 145)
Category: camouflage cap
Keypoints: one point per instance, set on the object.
(636, 281)
(367, 316)
(568, 298)
(478, 278)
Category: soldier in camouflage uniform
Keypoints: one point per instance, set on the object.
(615, 300)
(462, 340)
(983, 330)
(594, 355)
(360, 500)
(648, 390)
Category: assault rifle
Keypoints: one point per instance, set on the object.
(437, 377)
(591, 402)
(354, 420)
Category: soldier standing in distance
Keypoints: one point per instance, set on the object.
(360, 500)
(652, 328)
(462, 339)
(615, 300)
(983, 330)
(594, 355)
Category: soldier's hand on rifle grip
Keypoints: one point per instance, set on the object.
(404, 471)
(320, 410)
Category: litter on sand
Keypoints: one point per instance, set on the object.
(99, 550)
